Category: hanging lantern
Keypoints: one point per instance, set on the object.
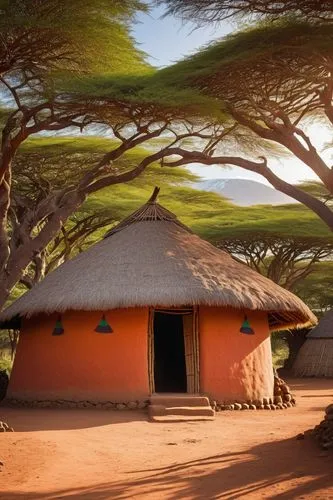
(103, 326)
(246, 328)
(58, 329)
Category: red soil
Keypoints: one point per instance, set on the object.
(95, 455)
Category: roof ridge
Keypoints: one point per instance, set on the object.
(151, 211)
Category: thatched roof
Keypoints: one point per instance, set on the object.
(324, 329)
(152, 259)
(314, 358)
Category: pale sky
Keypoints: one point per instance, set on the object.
(168, 40)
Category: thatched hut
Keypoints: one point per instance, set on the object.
(151, 308)
(315, 357)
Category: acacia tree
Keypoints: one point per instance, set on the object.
(42, 44)
(271, 80)
(204, 11)
(32, 226)
(43, 166)
(286, 260)
(317, 288)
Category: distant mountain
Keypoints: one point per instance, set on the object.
(244, 192)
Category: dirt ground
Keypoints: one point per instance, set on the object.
(95, 455)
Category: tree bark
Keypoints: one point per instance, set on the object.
(4, 207)
(318, 207)
(295, 340)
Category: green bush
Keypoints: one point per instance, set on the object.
(6, 361)
(280, 350)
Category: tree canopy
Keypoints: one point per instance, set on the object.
(94, 35)
(266, 84)
(286, 260)
(210, 11)
(41, 169)
(316, 289)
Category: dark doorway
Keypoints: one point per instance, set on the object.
(169, 353)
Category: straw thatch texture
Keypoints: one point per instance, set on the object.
(324, 329)
(153, 260)
(315, 358)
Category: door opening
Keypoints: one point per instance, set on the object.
(169, 353)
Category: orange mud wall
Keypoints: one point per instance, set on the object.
(82, 364)
(234, 366)
(85, 365)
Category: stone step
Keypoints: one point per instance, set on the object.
(179, 418)
(172, 400)
(160, 410)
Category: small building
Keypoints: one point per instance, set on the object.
(152, 308)
(315, 357)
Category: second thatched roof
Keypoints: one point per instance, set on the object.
(315, 357)
(324, 329)
(152, 259)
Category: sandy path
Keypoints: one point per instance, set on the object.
(91, 454)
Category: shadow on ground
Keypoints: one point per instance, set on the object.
(286, 469)
(44, 419)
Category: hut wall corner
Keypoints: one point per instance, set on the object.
(234, 366)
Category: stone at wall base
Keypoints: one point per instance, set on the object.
(61, 403)
(263, 404)
(324, 431)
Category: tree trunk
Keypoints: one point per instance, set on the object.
(4, 207)
(20, 258)
(295, 340)
(4, 291)
(323, 211)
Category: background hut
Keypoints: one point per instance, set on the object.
(150, 308)
(315, 357)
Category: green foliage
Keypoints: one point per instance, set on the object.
(16, 293)
(50, 162)
(5, 356)
(6, 361)
(317, 190)
(248, 48)
(208, 214)
(44, 165)
(280, 349)
(317, 288)
(152, 90)
(213, 11)
(88, 35)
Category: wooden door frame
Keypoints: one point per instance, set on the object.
(196, 349)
